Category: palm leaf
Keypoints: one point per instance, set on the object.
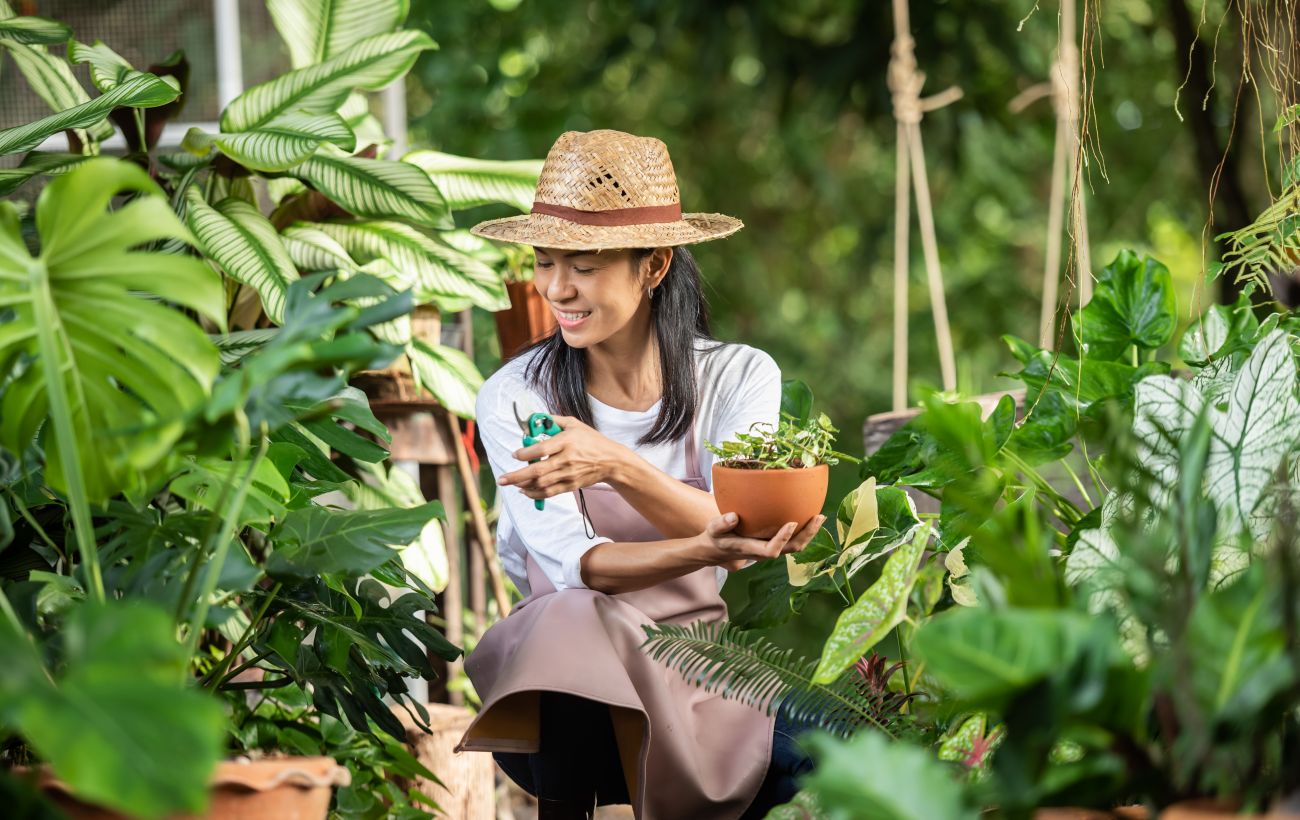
(316, 30)
(138, 91)
(448, 374)
(245, 245)
(743, 666)
(437, 272)
(370, 64)
(376, 188)
(37, 163)
(467, 183)
(278, 145)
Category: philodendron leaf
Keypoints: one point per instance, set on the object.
(878, 610)
(34, 31)
(448, 374)
(1133, 304)
(1080, 383)
(113, 373)
(468, 183)
(315, 540)
(377, 188)
(369, 64)
(138, 91)
(315, 31)
(246, 246)
(983, 656)
(278, 145)
(875, 776)
(119, 725)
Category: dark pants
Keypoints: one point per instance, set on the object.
(579, 757)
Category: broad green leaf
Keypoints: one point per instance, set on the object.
(448, 374)
(468, 183)
(878, 610)
(34, 164)
(107, 68)
(377, 188)
(278, 145)
(120, 726)
(114, 374)
(138, 91)
(796, 399)
(316, 541)
(983, 655)
(426, 556)
(437, 272)
(313, 250)
(316, 30)
(370, 64)
(203, 479)
(246, 246)
(34, 31)
(1046, 431)
(1081, 383)
(874, 776)
(1133, 304)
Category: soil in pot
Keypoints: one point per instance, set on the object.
(766, 500)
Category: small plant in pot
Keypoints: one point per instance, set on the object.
(773, 475)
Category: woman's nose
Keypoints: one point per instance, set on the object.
(560, 287)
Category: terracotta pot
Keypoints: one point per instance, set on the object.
(766, 500)
(1121, 813)
(1217, 810)
(282, 788)
(527, 319)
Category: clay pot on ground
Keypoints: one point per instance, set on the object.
(766, 500)
(282, 788)
(1217, 810)
(527, 319)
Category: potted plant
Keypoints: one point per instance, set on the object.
(529, 317)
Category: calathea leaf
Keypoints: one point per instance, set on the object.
(278, 145)
(377, 188)
(33, 31)
(315, 31)
(448, 374)
(138, 91)
(1133, 304)
(468, 183)
(37, 163)
(238, 238)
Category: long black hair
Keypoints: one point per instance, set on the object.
(680, 313)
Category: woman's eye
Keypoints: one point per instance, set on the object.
(583, 270)
(542, 264)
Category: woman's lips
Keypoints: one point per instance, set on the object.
(569, 324)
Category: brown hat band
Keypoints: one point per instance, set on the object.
(646, 215)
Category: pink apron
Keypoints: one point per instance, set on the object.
(686, 753)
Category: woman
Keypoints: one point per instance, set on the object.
(629, 533)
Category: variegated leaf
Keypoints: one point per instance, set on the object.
(448, 374)
(377, 188)
(245, 244)
(316, 30)
(467, 183)
(278, 145)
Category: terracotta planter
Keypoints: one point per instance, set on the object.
(527, 319)
(766, 500)
(1216, 810)
(1121, 813)
(284, 788)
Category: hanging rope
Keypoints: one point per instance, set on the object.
(905, 83)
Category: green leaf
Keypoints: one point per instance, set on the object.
(1080, 383)
(448, 374)
(313, 250)
(34, 31)
(797, 400)
(115, 373)
(246, 246)
(984, 656)
(873, 776)
(278, 145)
(316, 541)
(1046, 431)
(437, 272)
(878, 610)
(139, 91)
(316, 30)
(202, 481)
(468, 183)
(37, 163)
(377, 188)
(371, 64)
(119, 726)
(107, 68)
(52, 79)
(1133, 304)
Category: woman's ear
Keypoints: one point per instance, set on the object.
(658, 262)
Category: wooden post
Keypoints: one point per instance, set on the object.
(452, 598)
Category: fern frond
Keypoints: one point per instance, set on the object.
(1269, 244)
(720, 657)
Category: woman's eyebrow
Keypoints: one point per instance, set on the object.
(572, 254)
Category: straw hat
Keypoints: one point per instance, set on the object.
(607, 189)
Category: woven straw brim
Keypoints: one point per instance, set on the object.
(546, 231)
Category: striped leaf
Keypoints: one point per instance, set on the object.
(237, 344)
(107, 68)
(437, 273)
(316, 30)
(448, 374)
(35, 164)
(140, 91)
(245, 245)
(377, 188)
(467, 183)
(53, 81)
(313, 250)
(277, 146)
(369, 64)
(34, 31)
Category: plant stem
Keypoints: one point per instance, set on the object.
(1077, 483)
(31, 520)
(10, 614)
(245, 639)
(56, 360)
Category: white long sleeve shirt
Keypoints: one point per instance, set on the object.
(737, 385)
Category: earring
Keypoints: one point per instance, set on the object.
(650, 294)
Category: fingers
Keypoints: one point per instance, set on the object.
(723, 524)
(546, 447)
(788, 540)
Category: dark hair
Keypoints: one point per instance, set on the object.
(680, 313)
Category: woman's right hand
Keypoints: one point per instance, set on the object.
(726, 549)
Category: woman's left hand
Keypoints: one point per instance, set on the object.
(578, 457)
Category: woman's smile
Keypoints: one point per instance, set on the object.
(571, 319)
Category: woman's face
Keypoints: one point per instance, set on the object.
(594, 295)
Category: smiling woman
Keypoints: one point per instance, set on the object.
(629, 534)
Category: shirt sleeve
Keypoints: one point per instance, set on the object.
(556, 535)
(753, 390)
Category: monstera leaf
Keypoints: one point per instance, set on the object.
(316, 541)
